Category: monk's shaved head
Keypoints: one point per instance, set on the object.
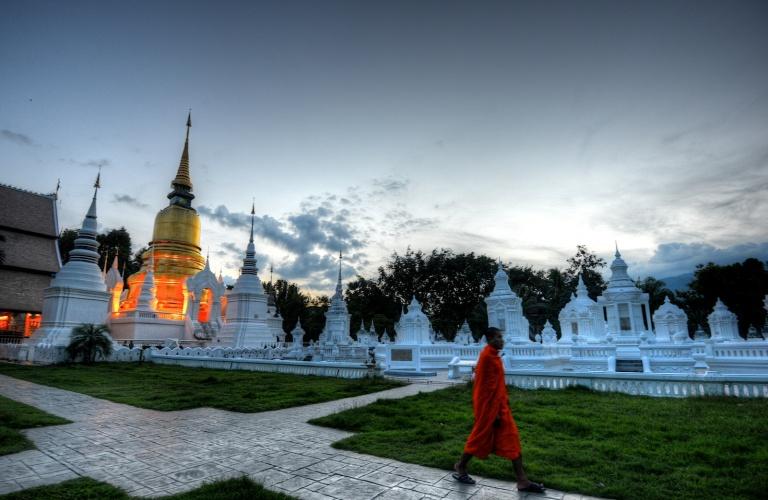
(491, 332)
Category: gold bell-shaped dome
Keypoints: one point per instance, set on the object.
(175, 245)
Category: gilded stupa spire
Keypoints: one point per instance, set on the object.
(182, 183)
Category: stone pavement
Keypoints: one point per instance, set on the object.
(153, 453)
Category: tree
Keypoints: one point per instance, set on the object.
(313, 317)
(448, 285)
(2, 251)
(589, 266)
(657, 290)
(115, 242)
(290, 301)
(367, 304)
(66, 243)
(740, 286)
(88, 341)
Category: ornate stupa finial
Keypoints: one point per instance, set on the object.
(182, 183)
(271, 270)
(249, 263)
(617, 254)
(253, 215)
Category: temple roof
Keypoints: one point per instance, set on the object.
(28, 222)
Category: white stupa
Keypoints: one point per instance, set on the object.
(336, 330)
(246, 321)
(78, 294)
(464, 335)
(205, 291)
(671, 323)
(114, 281)
(723, 324)
(414, 327)
(581, 320)
(625, 305)
(505, 310)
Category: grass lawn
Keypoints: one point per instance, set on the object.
(14, 416)
(611, 445)
(89, 489)
(161, 387)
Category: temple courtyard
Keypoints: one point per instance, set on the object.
(397, 443)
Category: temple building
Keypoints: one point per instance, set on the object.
(29, 257)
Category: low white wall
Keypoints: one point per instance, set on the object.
(320, 368)
(646, 384)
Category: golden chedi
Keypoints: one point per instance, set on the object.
(175, 246)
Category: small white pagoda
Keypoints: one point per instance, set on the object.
(336, 331)
(505, 310)
(581, 320)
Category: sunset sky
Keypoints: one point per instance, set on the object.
(514, 129)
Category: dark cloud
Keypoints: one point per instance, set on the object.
(316, 227)
(99, 162)
(319, 272)
(400, 222)
(677, 258)
(16, 137)
(128, 200)
(389, 185)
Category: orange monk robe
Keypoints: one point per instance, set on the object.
(495, 431)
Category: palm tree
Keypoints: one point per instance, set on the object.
(89, 340)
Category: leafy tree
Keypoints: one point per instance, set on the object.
(657, 290)
(740, 286)
(367, 303)
(290, 301)
(88, 341)
(66, 243)
(448, 285)
(313, 317)
(115, 242)
(2, 251)
(589, 266)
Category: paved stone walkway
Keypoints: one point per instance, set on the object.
(153, 453)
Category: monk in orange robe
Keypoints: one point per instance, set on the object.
(495, 430)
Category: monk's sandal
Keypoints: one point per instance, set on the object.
(463, 478)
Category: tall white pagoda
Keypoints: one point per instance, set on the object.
(77, 294)
(246, 321)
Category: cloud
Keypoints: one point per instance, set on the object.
(677, 258)
(128, 200)
(16, 137)
(316, 227)
(318, 272)
(101, 162)
(389, 185)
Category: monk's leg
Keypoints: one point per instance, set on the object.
(522, 478)
(461, 465)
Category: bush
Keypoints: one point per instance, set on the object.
(88, 341)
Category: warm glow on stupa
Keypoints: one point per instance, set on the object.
(175, 246)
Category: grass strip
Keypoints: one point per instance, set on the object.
(611, 445)
(88, 489)
(169, 388)
(15, 416)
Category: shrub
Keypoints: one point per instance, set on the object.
(88, 341)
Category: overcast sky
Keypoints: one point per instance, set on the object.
(514, 129)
